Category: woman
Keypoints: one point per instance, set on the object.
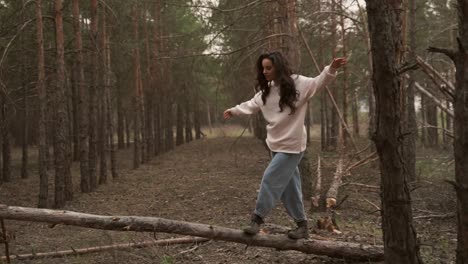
(283, 98)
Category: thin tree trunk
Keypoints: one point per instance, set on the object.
(41, 90)
(110, 119)
(423, 120)
(62, 165)
(120, 119)
(355, 109)
(25, 143)
(103, 124)
(82, 107)
(432, 131)
(188, 122)
(180, 125)
(149, 82)
(127, 130)
(92, 161)
(399, 234)
(333, 87)
(137, 95)
(345, 88)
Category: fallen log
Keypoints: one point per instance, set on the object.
(89, 250)
(335, 249)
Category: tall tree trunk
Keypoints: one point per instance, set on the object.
(460, 128)
(103, 124)
(92, 161)
(157, 80)
(25, 141)
(334, 89)
(149, 82)
(137, 95)
(41, 90)
(410, 118)
(108, 98)
(385, 23)
(82, 107)
(345, 73)
(62, 164)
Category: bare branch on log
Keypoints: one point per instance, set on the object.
(435, 216)
(83, 251)
(373, 156)
(372, 187)
(318, 185)
(336, 249)
(332, 194)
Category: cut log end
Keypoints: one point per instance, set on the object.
(331, 202)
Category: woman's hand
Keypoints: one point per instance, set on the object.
(227, 114)
(338, 62)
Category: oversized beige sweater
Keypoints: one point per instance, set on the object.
(286, 133)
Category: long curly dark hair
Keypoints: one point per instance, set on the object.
(288, 93)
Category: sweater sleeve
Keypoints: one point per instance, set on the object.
(314, 85)
(247, 108)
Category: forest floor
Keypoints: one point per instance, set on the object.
(215, 181)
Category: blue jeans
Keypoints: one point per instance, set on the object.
(282, 180)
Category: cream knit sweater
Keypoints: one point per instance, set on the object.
(286, 133)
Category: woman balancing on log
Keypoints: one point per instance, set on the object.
(283, 98)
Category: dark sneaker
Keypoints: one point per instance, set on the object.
(254, 227)
(300, 232)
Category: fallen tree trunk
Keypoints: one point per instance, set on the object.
(336, 249)
(434, 99)
(82, 251)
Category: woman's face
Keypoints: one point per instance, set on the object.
(268, 69)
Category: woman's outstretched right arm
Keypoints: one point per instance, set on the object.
(246, 108)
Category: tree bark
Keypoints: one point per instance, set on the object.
(62, 164)
(92, 155)
(41, 90)
(82, 107)
(137, 90)
(104, 123)
(410, 113)
(336, 249)
(385, 23)
(345, 73)
(460, 128)
(25, 141)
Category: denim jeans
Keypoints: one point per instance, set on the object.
(282, 180)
